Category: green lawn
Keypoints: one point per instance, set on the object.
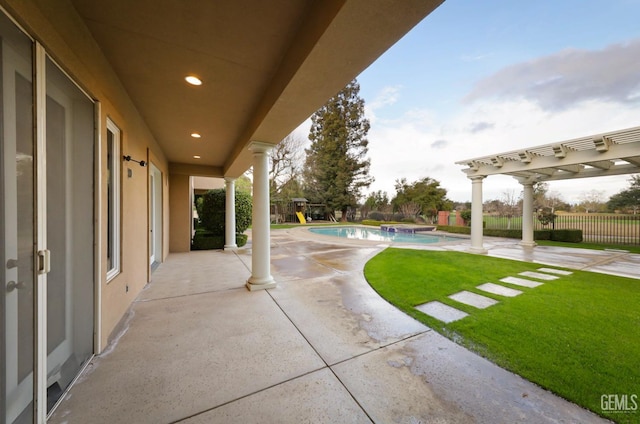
(578, 336)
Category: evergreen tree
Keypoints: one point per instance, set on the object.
(336, 166)
(628, 199)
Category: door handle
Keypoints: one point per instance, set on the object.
(12, 263)
(44, 261)
(12, 285)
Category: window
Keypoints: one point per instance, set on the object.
(113, 200)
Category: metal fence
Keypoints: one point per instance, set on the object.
(596, 228)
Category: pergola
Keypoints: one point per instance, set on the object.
(613, 153)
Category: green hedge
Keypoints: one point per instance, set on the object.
(212, 211)
(205, 240)
(375, 223)
(570, 236)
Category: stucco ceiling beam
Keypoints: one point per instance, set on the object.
(195, 170)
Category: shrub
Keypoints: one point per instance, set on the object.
(409, 220)
(546, 217)
(570, 236)
(397, 217)
(212, 211)
(454, 229)
(205, 240)
(375, 216)
(375, 223)
(466, 215)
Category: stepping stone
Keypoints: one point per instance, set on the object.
(521, 282)
(538, 275)
(473, 299)
(499, 290)
(555, 271)
(442, 312)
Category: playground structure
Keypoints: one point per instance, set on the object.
(297, 209)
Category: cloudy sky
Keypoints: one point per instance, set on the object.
(482, 77)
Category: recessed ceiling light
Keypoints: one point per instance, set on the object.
(195, 135)
(193, 80)
(196, 157)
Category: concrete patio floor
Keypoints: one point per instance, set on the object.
(322, 347)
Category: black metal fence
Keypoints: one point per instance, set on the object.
(596, 228)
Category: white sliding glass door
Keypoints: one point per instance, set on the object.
(17, 226)
(47, 227)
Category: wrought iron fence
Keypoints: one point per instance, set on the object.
(596, 228)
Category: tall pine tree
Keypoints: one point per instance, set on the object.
(336, 166)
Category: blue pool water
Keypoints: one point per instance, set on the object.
(374, 234)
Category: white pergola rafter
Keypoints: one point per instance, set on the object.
(599, 155)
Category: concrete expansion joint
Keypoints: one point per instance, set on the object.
(606, 260)
(383, 346)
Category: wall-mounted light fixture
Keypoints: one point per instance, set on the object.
(129, 159)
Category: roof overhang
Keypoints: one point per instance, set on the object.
(266, 66)
(599, 155)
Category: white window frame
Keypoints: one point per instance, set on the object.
(114, 215)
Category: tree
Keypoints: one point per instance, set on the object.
(336, 167)
(509, 206)
(592, 201)
(539, 194)
(285, 163)
(376, 201)
(628, 199)
(244, 184)
(554, 202)
(425, 193)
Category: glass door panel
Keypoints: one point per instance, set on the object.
(16, 226)
(70, 141)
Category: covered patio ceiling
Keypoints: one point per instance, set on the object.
(613, 153)
(265, 66)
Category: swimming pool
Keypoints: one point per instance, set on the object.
(362, 233)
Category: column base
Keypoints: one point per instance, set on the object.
(254, 284)
(232, 247)
(478, 250)
(528, 244)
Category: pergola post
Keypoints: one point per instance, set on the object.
(527, 215)
(260, 227)
(476, 215)
(230, 214)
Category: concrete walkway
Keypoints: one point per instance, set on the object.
(322, 347)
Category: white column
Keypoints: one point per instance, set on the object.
(527, 215)
(260, 226)
(230, 214)
(476, 215)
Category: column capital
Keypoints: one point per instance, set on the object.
(477, 178)
(526, 181)
(229, 179)
(260, 147)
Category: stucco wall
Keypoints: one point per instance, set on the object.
(61, 31)
(181, 216)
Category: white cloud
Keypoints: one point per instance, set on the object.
(410, 148)
(564, 79)
(386, 97)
